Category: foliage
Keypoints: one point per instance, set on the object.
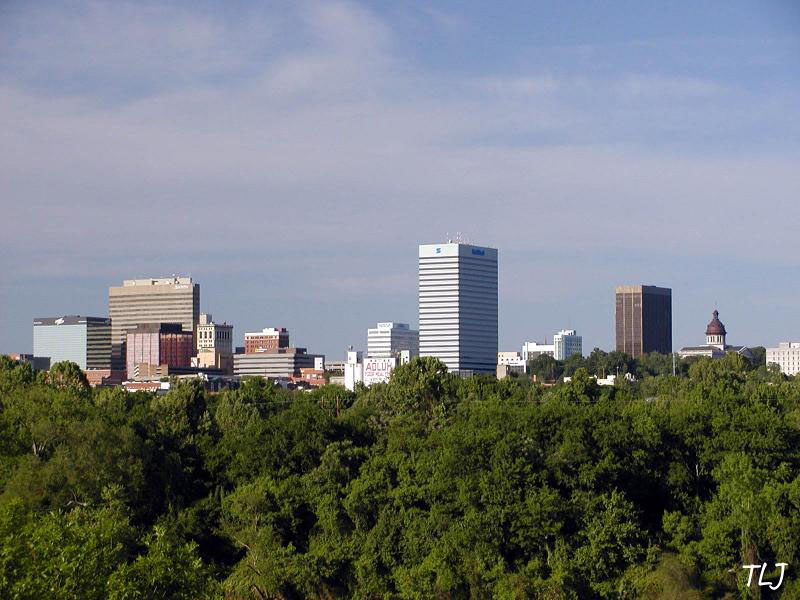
(430, 486)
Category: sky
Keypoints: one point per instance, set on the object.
(291, 156)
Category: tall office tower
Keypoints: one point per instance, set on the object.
(566, 343)
(643, 319)
(458, 306)
(387, 340)
(85, 341)
(143, 301)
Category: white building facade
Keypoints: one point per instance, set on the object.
(786, 356)
(510, 358)
(531, 350)
(388, 339)
(458, 306)
(214, 336)
(566, 343)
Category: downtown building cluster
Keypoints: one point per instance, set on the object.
(155, 331)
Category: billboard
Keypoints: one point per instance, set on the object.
(378, 370)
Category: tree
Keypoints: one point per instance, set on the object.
(68, 374)
(62, 555)
(421, 387)
(168, 569)
(545, 368)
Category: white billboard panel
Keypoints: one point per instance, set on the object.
(378, 370)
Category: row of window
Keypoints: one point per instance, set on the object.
(221, 334)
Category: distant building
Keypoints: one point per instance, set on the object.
(643, 319)
(353, 369)
(610, 380)
(104, 377)
(510, 358)
(269, 339)
(214, 345)
(716, 345)
(309, 378)
(504, 370)
(786, 356)
(458, 306)
(147, 301)
(214, 336)
(156, 344)
(370, 370)
(284, 363)
(335, 365)
(566, 343)
(388, 339)
(37, 363)
(530, 350)
(150, 372)
(85, 341)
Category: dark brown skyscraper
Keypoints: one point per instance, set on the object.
(644, 319)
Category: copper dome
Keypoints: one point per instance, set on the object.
(715, 327)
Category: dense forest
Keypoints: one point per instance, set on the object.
(430, 486)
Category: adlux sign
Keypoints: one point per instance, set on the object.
(378, 370)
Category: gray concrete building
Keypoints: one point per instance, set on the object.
(275, 365)
(389, 339)
(141, 301)
(85, 341)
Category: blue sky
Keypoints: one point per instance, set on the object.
(291, 156)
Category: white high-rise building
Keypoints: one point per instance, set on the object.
(566, 343)
(786, 356)
(458, 306)
(388, 340)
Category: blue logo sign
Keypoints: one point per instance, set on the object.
(478, 252)
(438, 251)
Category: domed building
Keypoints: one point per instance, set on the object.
(716, 345)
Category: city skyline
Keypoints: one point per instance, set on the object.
(291, 159)
(240, 336)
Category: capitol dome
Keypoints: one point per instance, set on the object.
(715, 327)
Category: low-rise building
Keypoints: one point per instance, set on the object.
(335, 365)
(786, 356)
(104, 377)
(37, 363)
(504, 370)
(510, 358)
(269, 339)
(716, 345)
(309, 378)
(531, 350)
(284, 363)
